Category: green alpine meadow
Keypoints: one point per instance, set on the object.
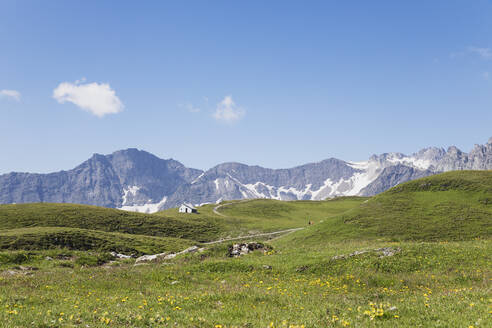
(245, 164)
(416, 255)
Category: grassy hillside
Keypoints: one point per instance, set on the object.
(449, 206)
(290, 213)
(40, 238)
(82, 227)
(264, 215)
(104, 219)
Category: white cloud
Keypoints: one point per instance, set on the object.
(96, 98)
(485, 53)
(486, 75)
(11, 94)
(227, 111)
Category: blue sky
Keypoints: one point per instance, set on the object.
(272, 83)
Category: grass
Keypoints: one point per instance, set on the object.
(39, 238)
(267, 215)
(105, 219)
(82, 227)
(427, 285)
(439, 276)
(448, 206)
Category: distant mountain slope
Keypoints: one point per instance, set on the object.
(448, 206)
(139, 181)
(391, 176)
(125, 178)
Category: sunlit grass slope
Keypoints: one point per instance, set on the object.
(264, 215)
(104, 219)
(449, 206)
(289, 214)
(82, 227)
(39, 238)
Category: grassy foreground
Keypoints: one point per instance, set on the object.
(426, 285)
(438, 274)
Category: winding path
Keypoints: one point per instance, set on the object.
(215, 210)
(172, 255)
(252, 236)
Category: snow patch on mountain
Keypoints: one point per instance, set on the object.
(198, 178)
(370, 170)
(253, 190)
(130, 190)
(342, 187)
(421, 164)
(367, 172)
(145, 208)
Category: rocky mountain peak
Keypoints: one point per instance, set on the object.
(134, 179)
(453, 150)
(431, 153)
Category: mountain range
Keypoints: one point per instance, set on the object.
(136, 180)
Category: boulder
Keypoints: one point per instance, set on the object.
(387, 251)
(170, 256)
(26, 268)
(244, 248)
(151, 258)
(120, 256)
(384, 252)
(191, 249)
(302, 268)
(164, 256)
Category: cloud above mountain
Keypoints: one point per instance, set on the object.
(96, 98)
(227, 111)
(13, 94)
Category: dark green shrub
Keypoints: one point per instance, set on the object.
(93, 259)
(14, 258)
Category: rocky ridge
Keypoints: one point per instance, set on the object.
(136, 180)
